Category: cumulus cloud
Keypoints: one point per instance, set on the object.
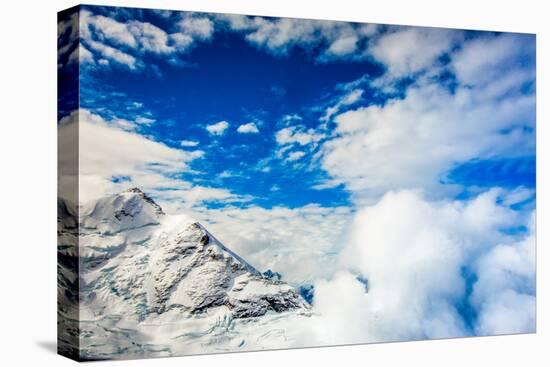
(150, 37)
(218, 128)
(335, 40)
(248, 128)
(125, 42)
(408, 50)
(113, 54)
(298, 134)
(505, 294)
(294, 156)
(200, 27)
(106, 29)
(414, 254)
(84, 55)
(111, 159)
(447, 126)
(341, 306)
(402, 50)
(486, 60)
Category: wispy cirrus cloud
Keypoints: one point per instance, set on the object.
(347, 99)
(298, 134)
(189, 143)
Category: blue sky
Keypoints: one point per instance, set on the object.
(227, 79)
(171, 97)
(325, 151)
(224, 77)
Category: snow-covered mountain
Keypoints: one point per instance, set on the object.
(153, 284)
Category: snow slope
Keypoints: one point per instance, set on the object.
(157, 285)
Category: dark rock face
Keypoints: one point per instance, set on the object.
(259, 306)
(215, 279)
(147, 199)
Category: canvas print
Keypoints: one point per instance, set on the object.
(240, 183)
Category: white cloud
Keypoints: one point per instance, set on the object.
(369, 29)
(106, 29)
(294, 156)
(280, 35)
(403, 50)
(483, 60)
(343, 46)
(189, 198)
(181, 40)
(446, 127)
(341, 306)
(151, 38)
(227, 174)
(297, 135)
(347, 99)
(413, 252)
(111, 148)
(106, 150)
(300, 243)
(67, 36)
(113, 54)
(412, 49)
(248, 128)
(82, 54)
(144, 120)
(196, 26)
(505, 291)
(126, 42)
(218, 128)
(286, 119)
(189, 143)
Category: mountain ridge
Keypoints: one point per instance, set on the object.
(144, 268)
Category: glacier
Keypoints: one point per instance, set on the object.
(136, 282)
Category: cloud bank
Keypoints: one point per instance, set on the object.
(435, 270)
(415, 140)
(108, 166)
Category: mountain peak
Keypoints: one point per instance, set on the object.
(128, 209)
(135, 190)
(149, 272)
(147, 198)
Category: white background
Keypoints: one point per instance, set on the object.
(28, 180)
